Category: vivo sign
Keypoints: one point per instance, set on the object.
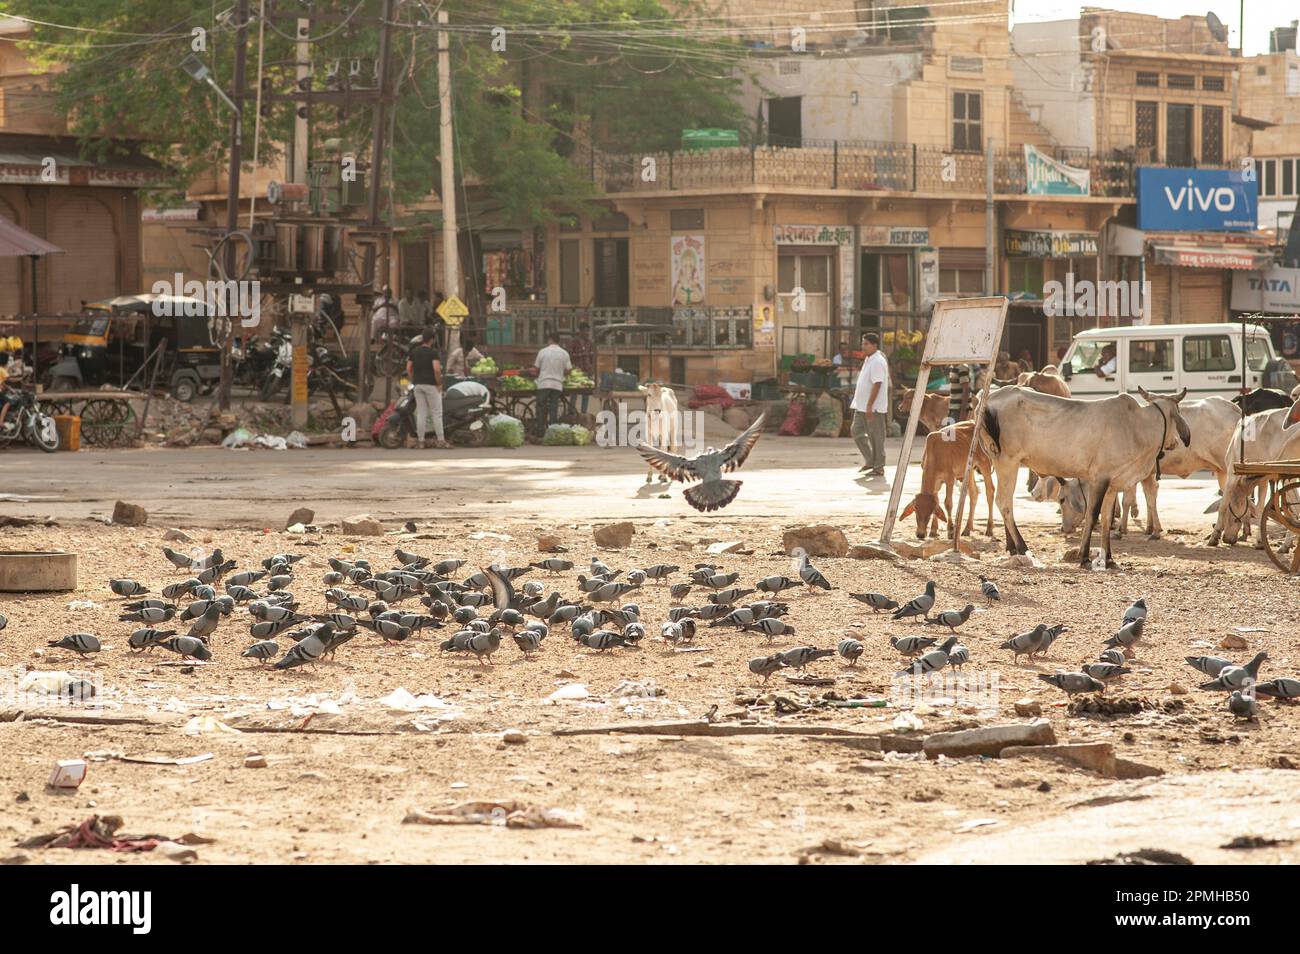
(1195, 200)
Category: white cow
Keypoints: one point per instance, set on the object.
(663, 423)
(1266, 434)
(1110, 444)
(1212, 422)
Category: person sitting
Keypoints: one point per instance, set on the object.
(1107, 363)
(844, 357)
(463, 358)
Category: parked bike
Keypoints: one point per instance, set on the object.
(464, 406)
(25, 420)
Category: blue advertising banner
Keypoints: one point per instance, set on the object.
(1195, 200)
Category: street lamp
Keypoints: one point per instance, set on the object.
(200, 73)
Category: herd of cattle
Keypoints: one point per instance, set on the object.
(1091, 456)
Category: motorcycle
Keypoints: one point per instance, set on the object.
(464, 406)
(26, 420)
(282, 367)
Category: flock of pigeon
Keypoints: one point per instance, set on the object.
(486, 606)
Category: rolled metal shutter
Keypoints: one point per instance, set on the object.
(87, 269)
(11, 287)
(1200, 294)
(1161, 293)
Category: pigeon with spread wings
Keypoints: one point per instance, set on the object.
(712, 492)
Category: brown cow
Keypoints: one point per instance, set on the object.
(942, 465)
(1046, 381)
(934, 409)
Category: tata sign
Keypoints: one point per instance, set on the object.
(1274, 290)
(1195, 200)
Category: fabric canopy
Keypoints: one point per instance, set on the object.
(15, 241)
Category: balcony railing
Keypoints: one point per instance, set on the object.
(856, 165)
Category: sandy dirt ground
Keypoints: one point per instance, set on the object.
(347, 760)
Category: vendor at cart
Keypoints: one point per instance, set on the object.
(463, 358)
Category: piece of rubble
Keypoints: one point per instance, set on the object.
(821, 540)
(361, 525)
(129, 515)
(614, 536)
(178, 536)
(871, 551)
(1028, 707)
(990, 740)
(1233, 641)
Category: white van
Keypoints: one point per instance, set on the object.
(1206, 359)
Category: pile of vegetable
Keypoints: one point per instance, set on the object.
(505, 431)
(577, 378)
(567, 435)
(516, 382)
(485, 367)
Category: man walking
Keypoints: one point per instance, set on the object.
(870, 407)
(425, 373)
(552, 365)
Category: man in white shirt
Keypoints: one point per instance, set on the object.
(871, 407)
(552, 365)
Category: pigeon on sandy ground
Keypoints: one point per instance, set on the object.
(919, 606)
(1072, 682)
(877, 601)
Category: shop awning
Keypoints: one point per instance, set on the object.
(16, 241)
(1200, 256)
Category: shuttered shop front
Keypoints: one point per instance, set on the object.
(1161, 279)
(87, 271)
(1200, 294)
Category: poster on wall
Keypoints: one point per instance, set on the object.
(927, 266)
(688, 270)
(1047, 176)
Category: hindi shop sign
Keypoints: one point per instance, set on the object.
(813, 235)
(1035, 243)
(1196, 200)
(1047, 176)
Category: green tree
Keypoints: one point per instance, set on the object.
(614, 75)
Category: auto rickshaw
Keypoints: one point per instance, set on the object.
(112, 340)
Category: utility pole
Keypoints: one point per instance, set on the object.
(990, 225)
(376, 178)
(301, 109)
(232, 188)
(447, 159)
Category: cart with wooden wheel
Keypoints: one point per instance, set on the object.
(1279, 519)
(107, 417)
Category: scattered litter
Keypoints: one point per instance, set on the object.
(152, 759)
(65, 685)
(975, 823)
(236, 438)
(296, 528)
(907, 722)
(271, 441)
(1250, 629)
(68, 773)
(489, 535)
(401, 699)
(572, 692)
(83, 605)
(296, 439)
(509, 814)
(200, 725)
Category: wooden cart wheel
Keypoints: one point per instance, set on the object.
(58, 408)
(102, 422)
(1281, 517)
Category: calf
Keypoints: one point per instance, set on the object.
(1045, 382)
(1109, 444)
(934, 409)
(662, 421)
(1262, 399)
(942, 465)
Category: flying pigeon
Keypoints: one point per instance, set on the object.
(920, 606)
(850, 649)
(801, 657)
(712, 492)
(79, 643)
(911, 645)
(990, 590)
(932, 661)
(1242, 706)
(1072, 682)
(766, 665)
(1238, 677)
(1030, 643)
(877, 601)
(951, 618)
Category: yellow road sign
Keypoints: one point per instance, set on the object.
(452, 311)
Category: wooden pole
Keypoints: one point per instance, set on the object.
(904, 456)
(966, 478)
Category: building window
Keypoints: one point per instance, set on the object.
(1178, 134)
(1148, 79)
(570, 272)
(1145, 134)
(1268, 177)
(1212, 83)
(1025, 275)
(1180, 81)
(1211, 135)
(967, 121)
(961, 281)
(686, 220)
(1288, 177)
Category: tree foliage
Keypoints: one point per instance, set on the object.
(610, 75)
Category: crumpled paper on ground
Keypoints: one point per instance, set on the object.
(511, 814)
